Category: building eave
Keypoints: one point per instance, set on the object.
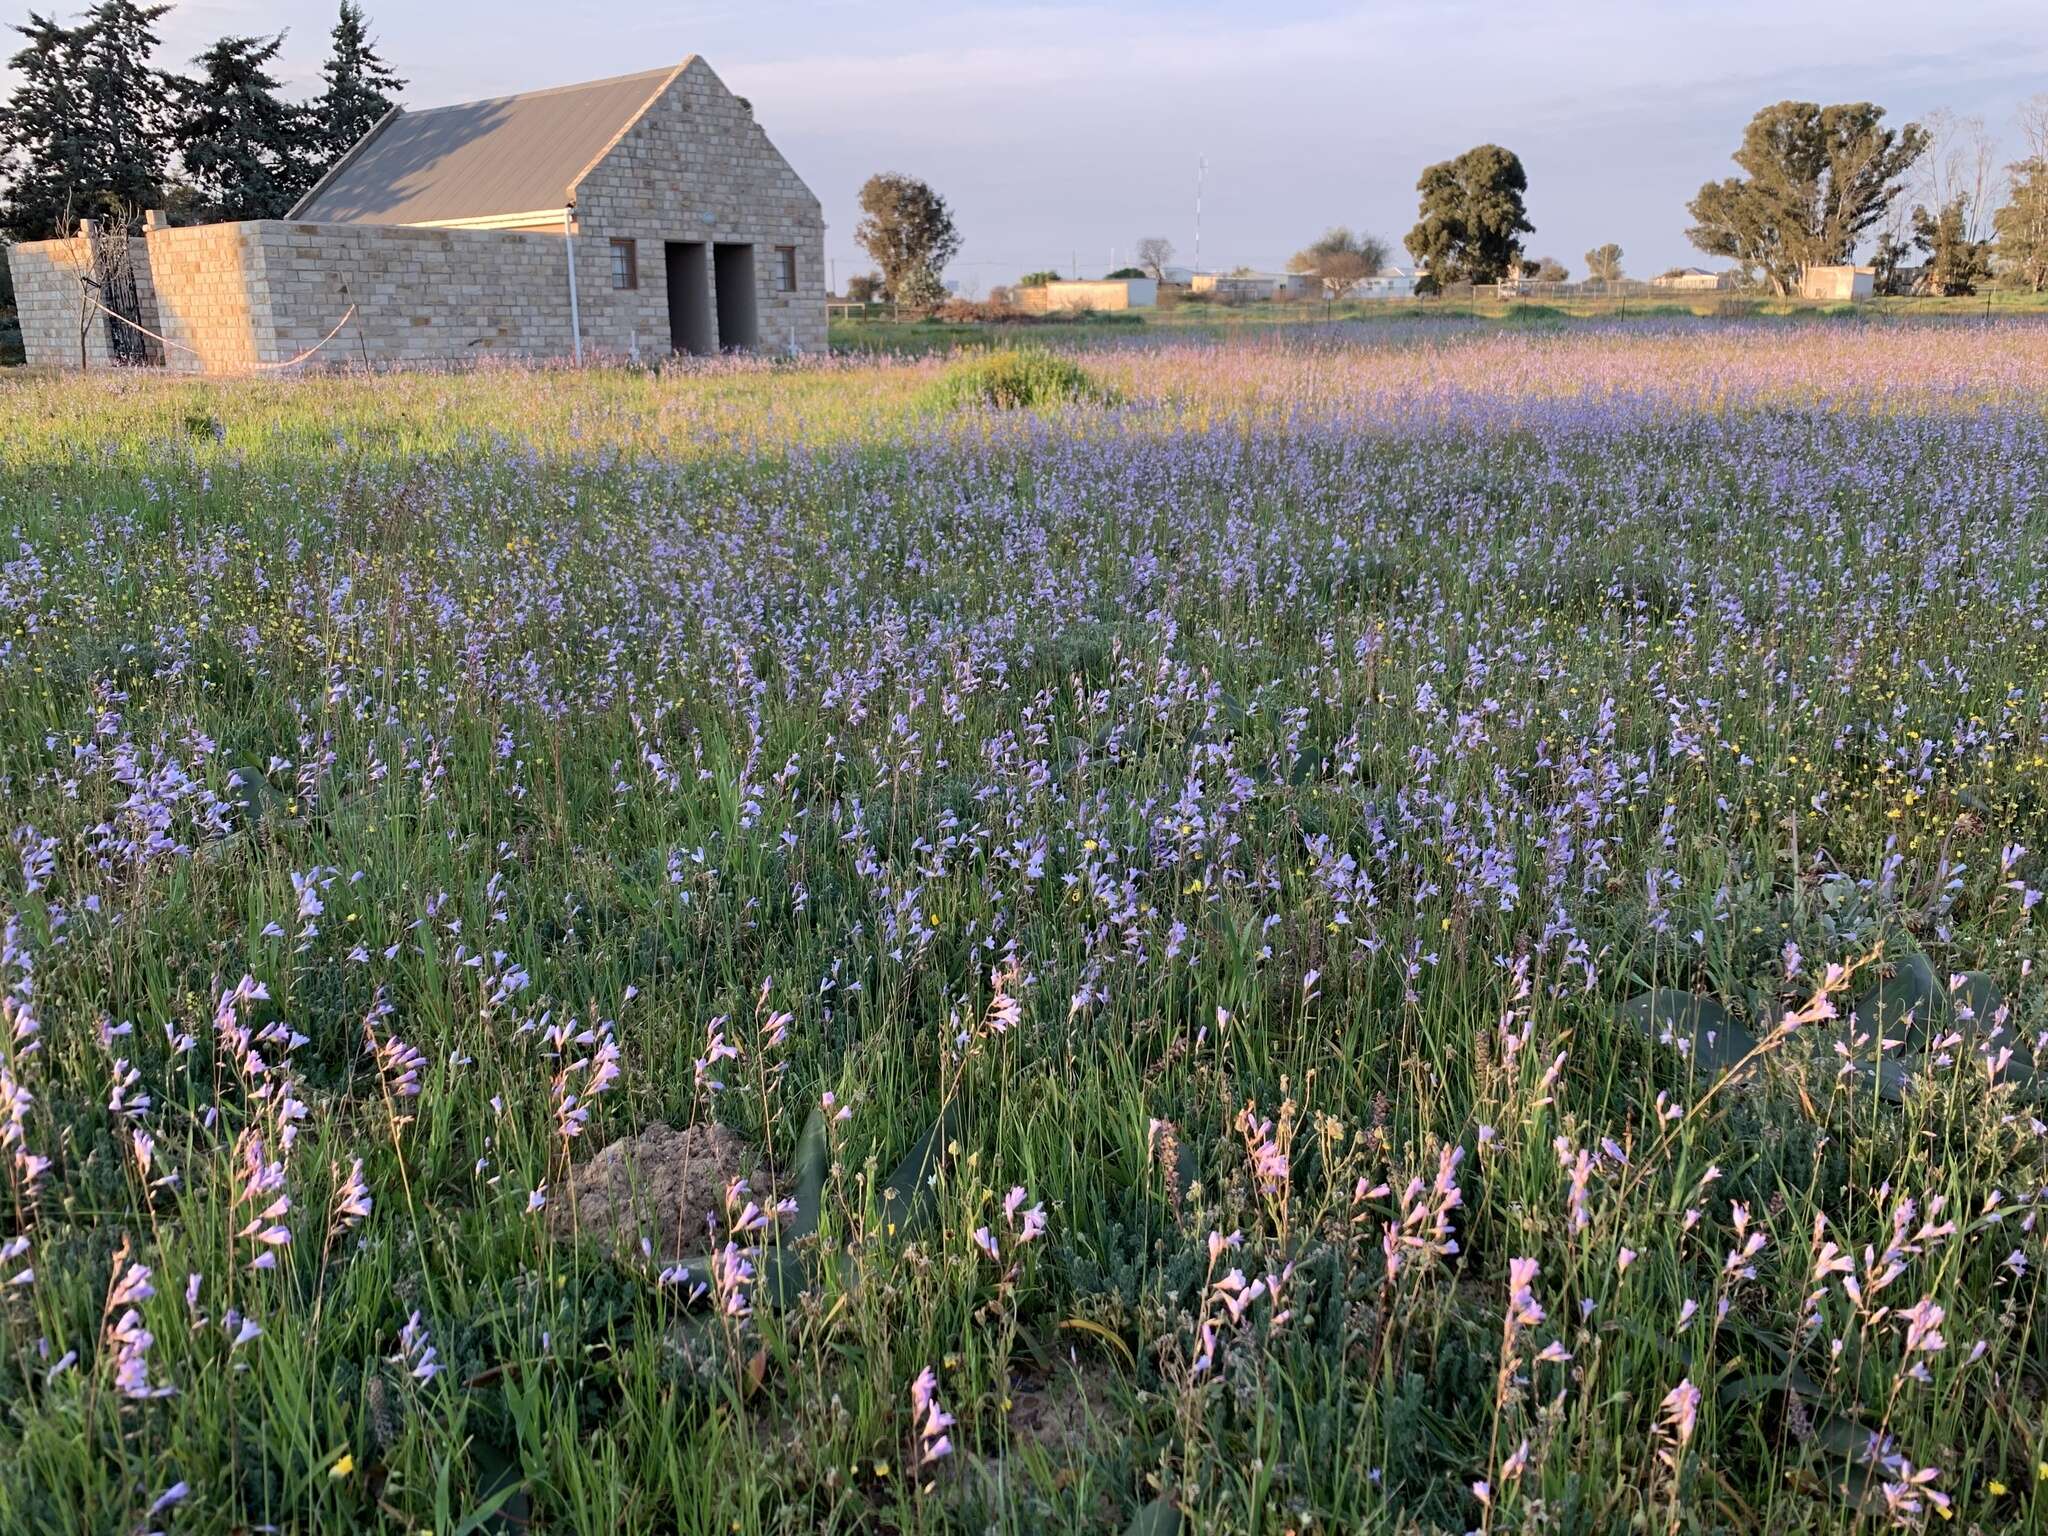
(526, 220)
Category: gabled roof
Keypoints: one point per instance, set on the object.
(482, 159)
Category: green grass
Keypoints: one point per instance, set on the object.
(925, 335)
(1305, 759)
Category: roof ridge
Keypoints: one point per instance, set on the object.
(552, 90)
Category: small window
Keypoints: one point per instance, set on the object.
(785, 267)
(625, 264)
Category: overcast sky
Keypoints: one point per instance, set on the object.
(1062, 134)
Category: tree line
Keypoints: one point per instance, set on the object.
(1818, 184)
(95, 129)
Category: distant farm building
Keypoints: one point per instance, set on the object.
(643, 214)
(1694, 280)
(1838, 285)
(1089, 295)
(1389, 283)
(1245, 287)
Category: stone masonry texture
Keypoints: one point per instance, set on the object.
(52, 295)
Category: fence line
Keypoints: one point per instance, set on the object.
(1590, 298)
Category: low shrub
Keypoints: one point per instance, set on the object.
(975, 312)
(1016, 378)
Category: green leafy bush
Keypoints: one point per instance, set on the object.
(1017, 378)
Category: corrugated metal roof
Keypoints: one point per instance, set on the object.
(481, 159)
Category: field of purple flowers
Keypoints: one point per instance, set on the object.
(1424, 930)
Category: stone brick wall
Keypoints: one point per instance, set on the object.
(421, 295)
(697, 167)
(262, 292)
(46, 296)
(204, 278)
(49, 298)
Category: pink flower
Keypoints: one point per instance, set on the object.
(134, 1288)
(1524, 1311)
(1681, 1409)
(1034, 1219)
(932, 1419)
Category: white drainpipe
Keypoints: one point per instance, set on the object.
(575, 315)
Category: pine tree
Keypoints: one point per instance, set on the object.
(86, 132)
(128, 109)
(43, 142)
(241, 143)
(361, 88)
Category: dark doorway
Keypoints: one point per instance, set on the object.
(689, 298)
(733, 267)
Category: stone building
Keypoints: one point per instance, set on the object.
(634, 216)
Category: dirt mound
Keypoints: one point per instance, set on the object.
(664, 1185)
(1053, 1430)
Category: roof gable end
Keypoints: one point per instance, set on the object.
(629, 125)
(700, 75)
